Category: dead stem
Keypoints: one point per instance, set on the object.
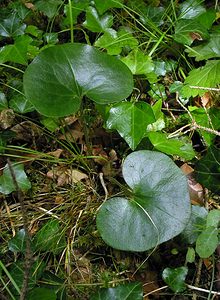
(28, 252)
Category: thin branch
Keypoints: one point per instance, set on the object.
(204, 88)
(28, 252)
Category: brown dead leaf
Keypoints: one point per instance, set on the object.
(6, 118)
(101, 156)
(72, 135)
(70, 120)
(76, 176)
(195, 189)
(56, 153)
(64, 175)
(29, 5)
(59, 199)
(26, 131)
(206, 100)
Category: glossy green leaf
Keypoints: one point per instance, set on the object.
(208, 170)
(190, 9)
(213, 218)
(95, 22)
(48, 7)
(11, 27)
(6, 182)
(42, 293)
(175, 278)
(18, 243)
(129, 291)
(181, 147)
(3, 101)
(131, 120)
(50, 238)
(186, 30)
(207, 18)
(114, 41)
(103, 6)
(138, 62)
(206, 50)
(152, 14)
(158, 210)
(17, 52)
(20, 104)
(207, 242)
(195, 224)
(60, 76)
(206, 76)
(17, 272)
(77, 7)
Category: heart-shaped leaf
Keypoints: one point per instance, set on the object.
(61, 75)
(158, 210)
(131, 120)
(129, 291)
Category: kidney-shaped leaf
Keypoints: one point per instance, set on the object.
(61, 75)
(158, 211)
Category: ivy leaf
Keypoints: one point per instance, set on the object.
(131, 120)
(18, 243)
(180, 147)
(190, 9)
(129, 291)
(208, 170)
(114, 41)
(48, 7)
(77, 6)
(20, 104)
(97, 23)
(103, 6)
(138, 62)
(186, 31)
(206, 76)
(42, 293)
(16, 53)
(11, 27)
(17, 272)
(6, 182)
(49, 238)
(157, 211)
(154, 14)
(207, 242)
(175, 278)
(206, 50)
